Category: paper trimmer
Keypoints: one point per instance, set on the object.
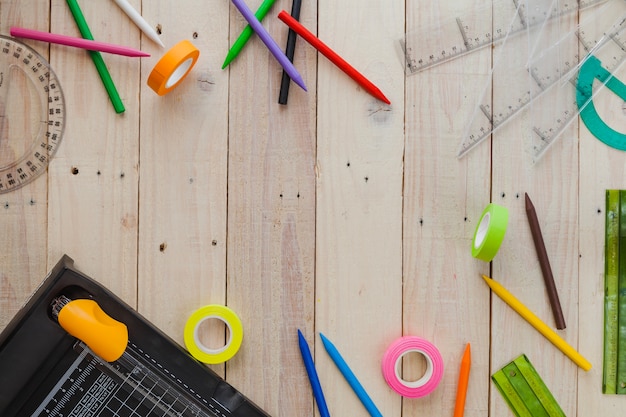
(46, 372)
(32, 114)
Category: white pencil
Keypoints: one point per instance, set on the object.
(139, 21)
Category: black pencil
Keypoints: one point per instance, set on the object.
(544, 262)
(289, 51)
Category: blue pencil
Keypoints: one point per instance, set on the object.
(313, 378)
(350, 377)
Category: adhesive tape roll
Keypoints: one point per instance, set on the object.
(490, 232)
(173, 67)
(392, 360)
(201, 352)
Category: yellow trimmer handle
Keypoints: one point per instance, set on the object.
(85, 320)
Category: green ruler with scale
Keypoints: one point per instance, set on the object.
(524, 391)
(614, 361)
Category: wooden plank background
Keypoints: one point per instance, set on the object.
(335, 214)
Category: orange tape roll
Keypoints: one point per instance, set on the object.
(173, 67)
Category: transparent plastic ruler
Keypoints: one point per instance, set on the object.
(524, 391)
(457, 36)
(549, 74)
(602, 44)
(509, 87)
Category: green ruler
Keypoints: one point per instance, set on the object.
(614, 363)
(524, 390)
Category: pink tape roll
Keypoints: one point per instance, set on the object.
(391, 366)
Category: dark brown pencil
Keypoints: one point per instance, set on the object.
(544, 262)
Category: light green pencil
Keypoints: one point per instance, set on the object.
(247, 33)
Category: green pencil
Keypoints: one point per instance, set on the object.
(97, 57)
(247, 33)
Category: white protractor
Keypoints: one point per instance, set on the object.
(32, 114)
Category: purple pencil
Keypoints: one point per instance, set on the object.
(269, 42)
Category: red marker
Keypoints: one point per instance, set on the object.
(332, 56)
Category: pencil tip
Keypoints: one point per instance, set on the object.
(529, 204)
(229, 58)
(467, 353)
(375, 91)
(300, 82)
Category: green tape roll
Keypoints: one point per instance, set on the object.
(490, 232)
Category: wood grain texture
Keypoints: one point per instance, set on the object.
(271, 215)
(443, 201)
(24, 213)
(93, 187)
(600, 168)
(182, 233)
(359, 211)
(335, 213)
(551, 184)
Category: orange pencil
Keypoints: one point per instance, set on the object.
(466, 364)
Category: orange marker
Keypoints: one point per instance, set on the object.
(466, 364)
(332, 56)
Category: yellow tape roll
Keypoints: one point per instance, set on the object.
(490, 232)
(202, 352)
(173, 67)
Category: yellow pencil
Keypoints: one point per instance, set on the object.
(536, 322)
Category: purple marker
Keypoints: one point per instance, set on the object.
(270, 43)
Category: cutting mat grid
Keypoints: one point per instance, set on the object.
(92, 387)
